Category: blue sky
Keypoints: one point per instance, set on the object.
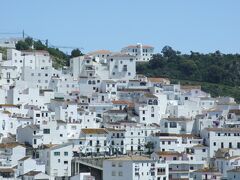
(197, 25)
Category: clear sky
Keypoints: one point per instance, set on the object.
(197, 25)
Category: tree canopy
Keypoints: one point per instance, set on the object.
(59, 58)
(214, 67)
(76, 53)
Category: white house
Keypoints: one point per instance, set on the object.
(142, 52)
(57, 159)
(134, 168)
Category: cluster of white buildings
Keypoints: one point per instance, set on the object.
(144, 128)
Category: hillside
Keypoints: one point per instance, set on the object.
(218, 73)
(4, 52)
(59, 58)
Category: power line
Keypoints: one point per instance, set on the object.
(44, 41)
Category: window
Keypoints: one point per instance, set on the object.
(37, 115)
(203, 150)
(173, 124)
(143, 112)
(214, 143)
(120, 164)
(46, 131)
(56, 153)
(165, 124)
(120, 173)
(113, 164)
(238, 145)
(65, 162)
(152, 115)
(65, 153)
(124, 67)
(113, 173)
(152, 109)
(34, 141)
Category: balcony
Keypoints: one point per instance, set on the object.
(179, 171)
(90, 68)
(161, 173)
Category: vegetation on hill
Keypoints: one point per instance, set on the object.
(3, 51)
(60, 58)
(219, 74)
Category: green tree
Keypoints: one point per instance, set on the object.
(76, 53)
(188, 67)
(168, 52)
(29, 41)
(150, 146)
(157, 61)
(38, 45)
(22, 45)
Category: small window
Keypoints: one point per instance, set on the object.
(46, 131)
(56, 153)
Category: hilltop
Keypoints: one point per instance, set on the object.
(59, 58)
(218, 73)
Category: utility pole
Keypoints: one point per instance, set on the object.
(23, 34)
(46, 43)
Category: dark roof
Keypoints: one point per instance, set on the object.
(32, 173)
(94, 131)
(235, 111)
(24, 158)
